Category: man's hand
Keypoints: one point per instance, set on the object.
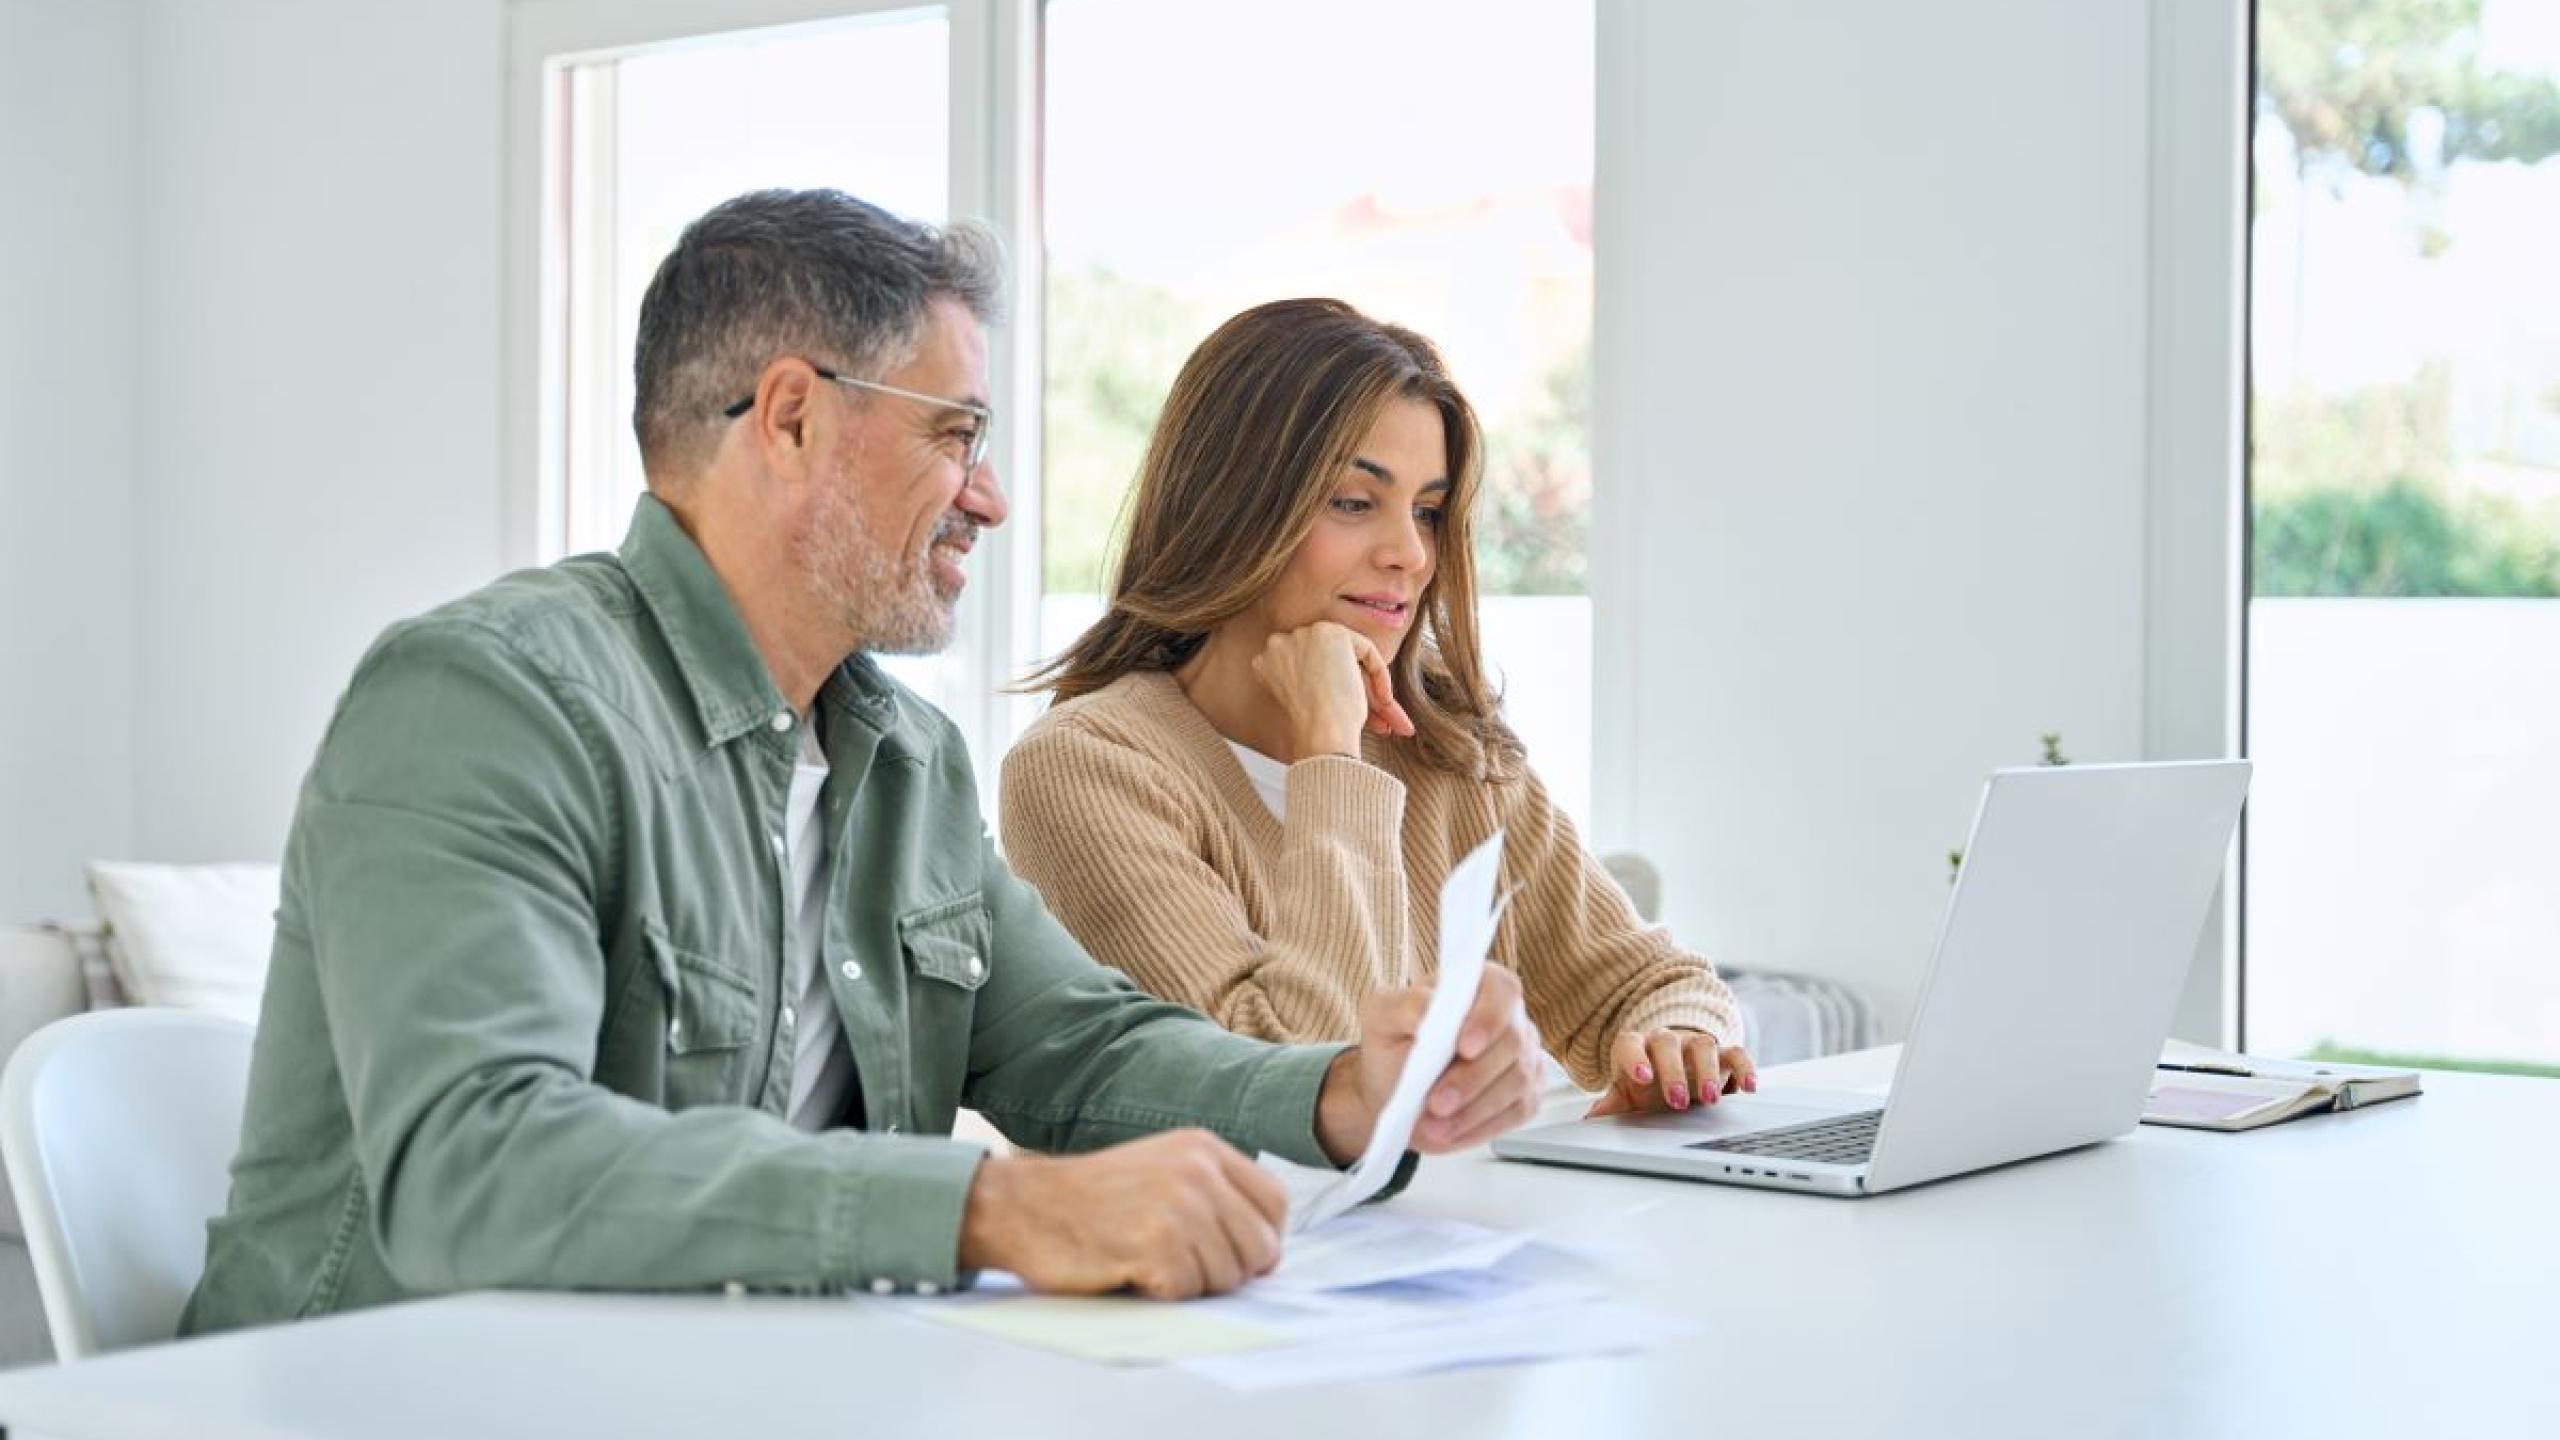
(1170, 1216)
(1491, 1085)
(1671, 1069)
(1333, 684)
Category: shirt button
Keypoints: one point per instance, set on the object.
(893, 1127)
(675, 1032)
(853, 969)
(977, 968)
(790, 1017)
(735, 1289)
(775, 840)
(927, 1287)
(781, 721)
(884, 1286)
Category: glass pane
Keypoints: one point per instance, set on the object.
(1430, 163)
(861, 105)
(2405, 485)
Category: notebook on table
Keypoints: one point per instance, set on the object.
(2205, 1089)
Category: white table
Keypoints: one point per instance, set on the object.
(2391, 1271)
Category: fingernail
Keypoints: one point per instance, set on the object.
(1751, 1084)
(1644, 1074)
(1679, 1095)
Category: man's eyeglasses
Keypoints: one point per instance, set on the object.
(977, 444)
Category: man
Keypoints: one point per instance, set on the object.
(639, 933)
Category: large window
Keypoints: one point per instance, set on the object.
(2404, 617)
(1429, 162)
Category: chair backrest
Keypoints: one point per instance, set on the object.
(118, 1127)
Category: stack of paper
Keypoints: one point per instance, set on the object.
(1533, 1304)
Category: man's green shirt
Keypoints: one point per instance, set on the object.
(526, 1023)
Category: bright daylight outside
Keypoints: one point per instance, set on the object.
(2403, 859)
(1213, 186)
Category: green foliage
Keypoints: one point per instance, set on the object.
(2345, 1054)
(2363, 439)
(1115, 345)
(2403, 539)
(2345, 77)
(1533, 522)
(2354, 497)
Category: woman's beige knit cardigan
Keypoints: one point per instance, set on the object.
(1145, 837)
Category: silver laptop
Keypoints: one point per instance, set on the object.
(2068, 935)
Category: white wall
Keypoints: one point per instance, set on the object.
(1875, 319)
(73, 405)
(319, 454)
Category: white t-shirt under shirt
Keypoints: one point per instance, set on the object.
(821, 1063)
(1270, 779)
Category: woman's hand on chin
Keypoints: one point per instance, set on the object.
(1672, 1070)
(1333, 683)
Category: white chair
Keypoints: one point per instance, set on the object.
(118, 1127)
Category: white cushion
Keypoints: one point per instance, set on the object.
(192, 936)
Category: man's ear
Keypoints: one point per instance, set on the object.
(785, 415)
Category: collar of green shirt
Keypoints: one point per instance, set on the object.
(733, 692)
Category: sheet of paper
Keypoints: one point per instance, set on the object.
(1503, 1336)
(1371, 1246)
(1535, 1303)
(2172, 1102)
(1105, 1329)
(1467, 919)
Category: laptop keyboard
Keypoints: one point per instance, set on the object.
(1842, 1140)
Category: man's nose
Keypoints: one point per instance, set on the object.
(982, 499)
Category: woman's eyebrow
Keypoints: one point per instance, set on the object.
(1380, 472)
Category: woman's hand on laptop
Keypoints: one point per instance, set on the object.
(1672, 1069)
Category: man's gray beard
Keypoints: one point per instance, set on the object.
(891, 608)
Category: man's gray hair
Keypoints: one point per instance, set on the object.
(813, 273)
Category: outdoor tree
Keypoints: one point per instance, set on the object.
(2351, 488)
(2394, 88)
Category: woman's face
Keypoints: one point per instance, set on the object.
(1378, 537)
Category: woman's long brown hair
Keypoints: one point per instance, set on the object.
(1261, 424)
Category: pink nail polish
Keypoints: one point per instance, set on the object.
(1679, 1097)
(1644, 1074)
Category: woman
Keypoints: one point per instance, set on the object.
(1266, 756)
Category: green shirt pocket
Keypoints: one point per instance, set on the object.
(946, 945)
(710, 1022)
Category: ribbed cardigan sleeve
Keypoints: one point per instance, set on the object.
(1589, 965)
(1114, 840)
